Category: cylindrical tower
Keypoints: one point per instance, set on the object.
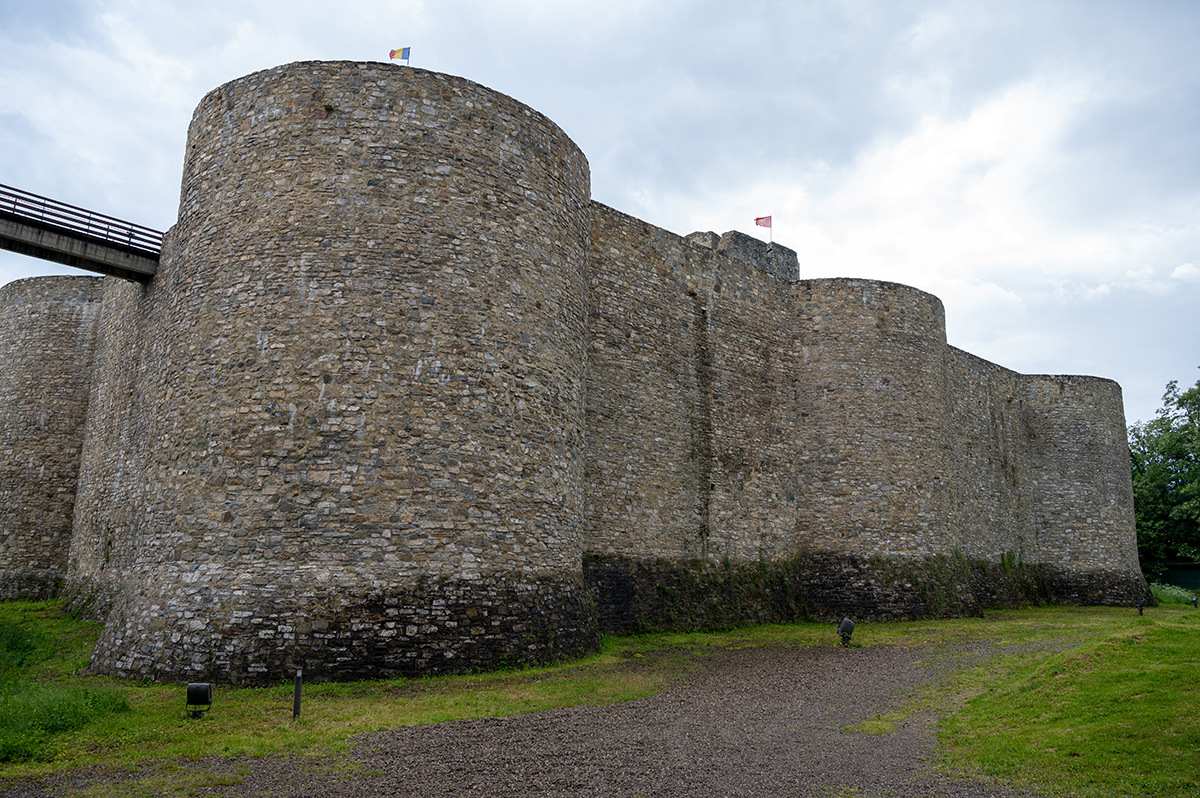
(47, 338)
(871, 377)
(363, 368)
(1082, 494)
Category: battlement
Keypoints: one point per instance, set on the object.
(775, 259)
(401, 398)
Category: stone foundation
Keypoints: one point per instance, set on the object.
(245, 633)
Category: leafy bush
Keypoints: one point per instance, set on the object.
(1165, 460)
(1170, 594)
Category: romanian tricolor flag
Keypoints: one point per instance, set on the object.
(401, 53)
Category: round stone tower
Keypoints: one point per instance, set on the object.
(47, 339)
(361, 380)
(874, 370)
(1083, 488)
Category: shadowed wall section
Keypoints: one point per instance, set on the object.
(108, 530)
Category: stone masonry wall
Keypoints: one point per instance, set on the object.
(1042, 476)
(752, 340)
(1084, 489)
(734, 416)
(362, 378)
(104, 542)
(691, 446)
(47, 338)
(992, 476)
(402, 399)
(648, 454)
(872, 396)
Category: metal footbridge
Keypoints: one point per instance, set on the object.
(44, 228)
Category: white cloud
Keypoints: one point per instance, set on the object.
(951, 206)
(1187, 272)
(945, 201)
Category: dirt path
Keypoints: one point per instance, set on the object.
(759, 722)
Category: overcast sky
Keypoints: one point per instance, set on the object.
(1036, 165)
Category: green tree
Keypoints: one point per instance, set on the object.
(1165, 453)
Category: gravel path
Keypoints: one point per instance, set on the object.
(758, 722)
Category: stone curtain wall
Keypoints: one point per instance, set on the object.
(756, 433)
(693, 442)
(47, 338)
(1042, 476)
(813, 427)
(648, 458)
(362, 379)
(993, 467)
(106, 540)
(732, 414)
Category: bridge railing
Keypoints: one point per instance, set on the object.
(80, 220)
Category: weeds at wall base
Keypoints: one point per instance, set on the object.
(640, 595)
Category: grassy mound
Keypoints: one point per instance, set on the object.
(1117, 716)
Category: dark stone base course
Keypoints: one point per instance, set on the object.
(31, 584)
(446, 626)
(635, 595)
(438, 628)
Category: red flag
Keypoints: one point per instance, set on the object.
(763, 221)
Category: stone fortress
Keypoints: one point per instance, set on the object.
(401, 398)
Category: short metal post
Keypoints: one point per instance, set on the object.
(296, 700)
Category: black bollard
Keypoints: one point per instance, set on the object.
(296, 699)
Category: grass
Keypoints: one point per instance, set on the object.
(36, 704)
(1066, 700)
(1116, 716)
